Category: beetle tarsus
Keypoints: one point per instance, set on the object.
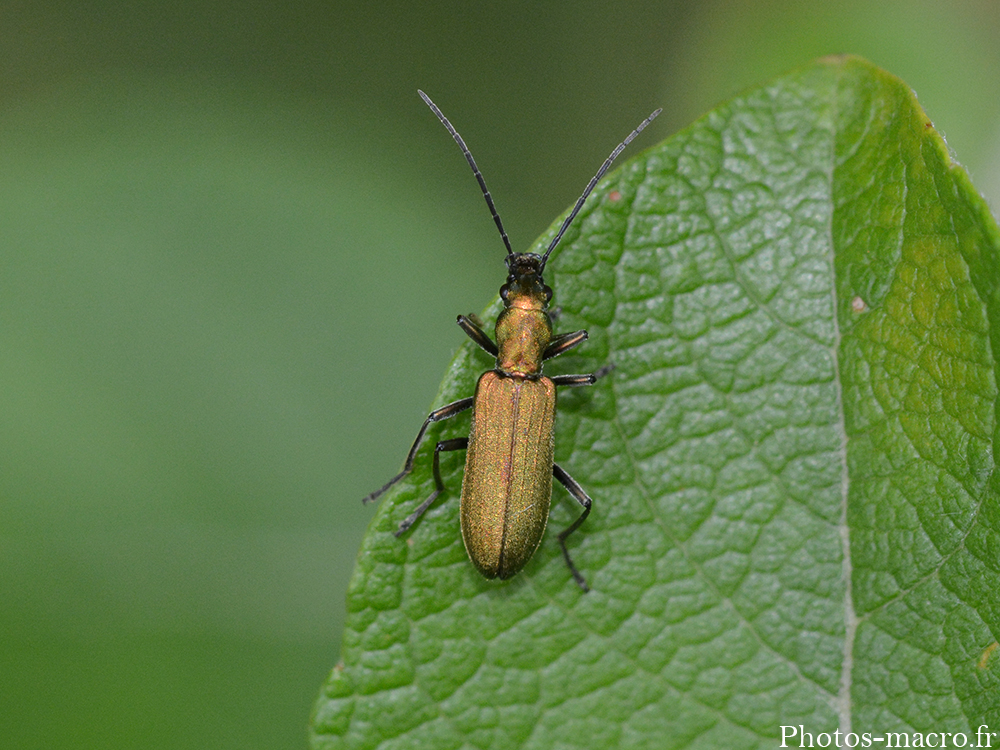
(381, 490)
(600, 372)
(415, 515)
(580, 580)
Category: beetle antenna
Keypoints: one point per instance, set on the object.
(475, 169)
(600, 173)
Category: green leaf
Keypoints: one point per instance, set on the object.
(795, 506)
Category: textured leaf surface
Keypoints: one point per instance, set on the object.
(796, 516)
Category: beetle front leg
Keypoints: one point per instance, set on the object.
(583, 498)
(455, 407)
(469, 324)
(455, 444)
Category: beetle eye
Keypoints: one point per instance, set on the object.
(503, 292)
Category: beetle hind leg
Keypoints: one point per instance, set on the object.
(455, 444)
(573, 487)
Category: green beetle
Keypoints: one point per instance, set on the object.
(509, 464)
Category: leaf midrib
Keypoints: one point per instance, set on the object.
(845, 708)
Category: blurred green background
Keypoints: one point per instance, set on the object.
(234, 243)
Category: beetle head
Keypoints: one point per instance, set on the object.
(525, 286)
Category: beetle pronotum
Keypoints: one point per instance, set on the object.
(507, 487)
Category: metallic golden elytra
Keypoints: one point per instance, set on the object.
(509, 464)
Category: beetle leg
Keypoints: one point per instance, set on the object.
(573, 380)
(455, 407)
(477, 334)
(455, 444)
(583, 498)
(563, 342)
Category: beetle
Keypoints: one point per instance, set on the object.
(509, 466)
